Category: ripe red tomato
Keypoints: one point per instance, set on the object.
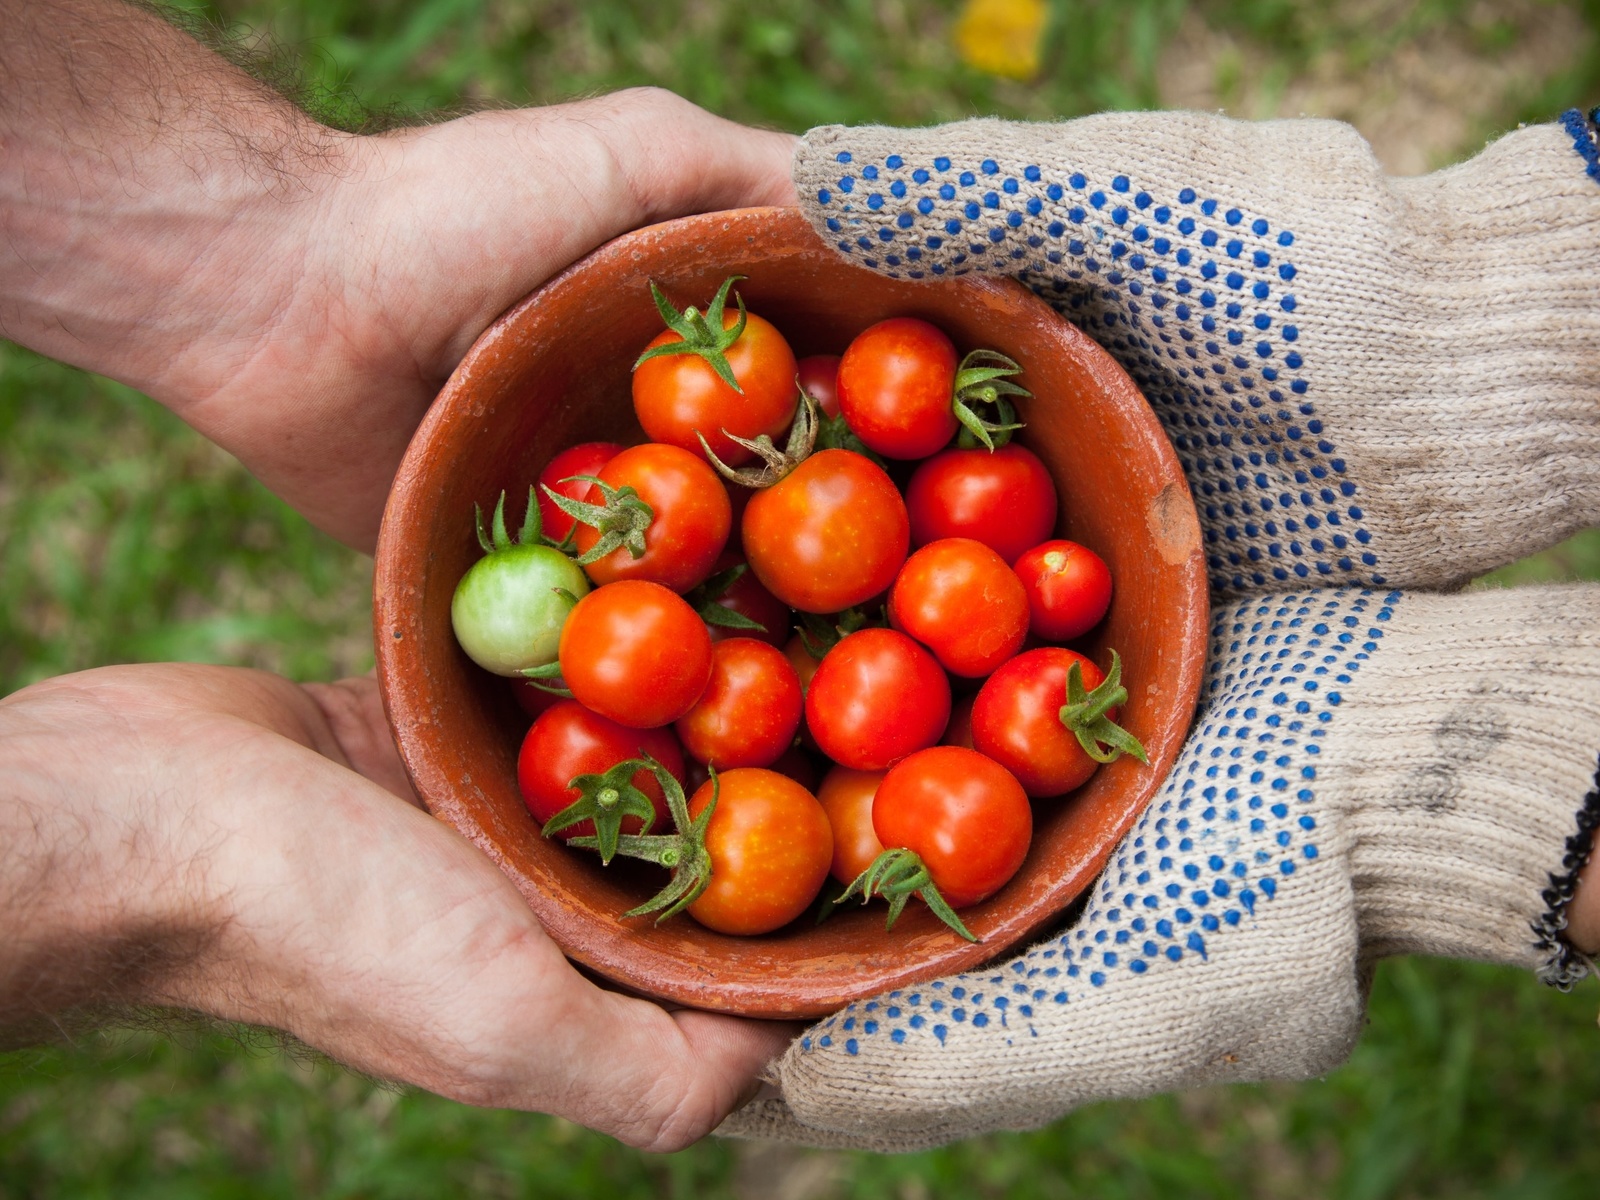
(770, 846)
(958, 598)
(569, 740)
(830, 534)
(1069, 589)
(1016, 720)
(819, 379)
(963, 814)
(875, 698)
(1004, 499)
(691, 519)
(676, 394)
(896, 388)
(586, 458)
(748, 598)
(846, 796)
(748, 714)
(635, 652)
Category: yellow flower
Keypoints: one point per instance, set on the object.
(1002, 37)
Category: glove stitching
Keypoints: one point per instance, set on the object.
(1277, 665)
(1566, 966)
(1269, 481)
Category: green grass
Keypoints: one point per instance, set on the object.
(127, 537)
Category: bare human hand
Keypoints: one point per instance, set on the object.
(241, 846)
(297, 294)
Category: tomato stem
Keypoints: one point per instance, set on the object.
(702, 335)
(552, 670)
(605, 798)
(683, 852)
(1085, 714)
(621, 521)
(983, 381)
(802, 439)
(897, 874)
(532, 532)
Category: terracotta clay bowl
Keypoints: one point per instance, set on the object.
(553, 371)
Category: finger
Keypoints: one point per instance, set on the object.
(661, 1081)
(353, 710)
(676, 158)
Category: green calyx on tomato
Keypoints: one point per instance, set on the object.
(704, 600)
(605, 799)
(897, 874)
(778, 463)
(702, 334)
(983, 382)
(682, 852)
(621, 521)
(1084, 714)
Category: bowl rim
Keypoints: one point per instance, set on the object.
(397, 627)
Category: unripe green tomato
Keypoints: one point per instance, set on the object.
(508, 608)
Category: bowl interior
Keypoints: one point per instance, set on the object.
(554, 371)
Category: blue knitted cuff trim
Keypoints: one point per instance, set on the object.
(1582, 131)
(1564, 965)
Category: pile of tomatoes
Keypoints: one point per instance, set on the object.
(707, 611)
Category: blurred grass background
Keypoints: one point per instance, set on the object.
(127, 537)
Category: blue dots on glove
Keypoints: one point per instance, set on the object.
(1233, 825)
(1191, 295)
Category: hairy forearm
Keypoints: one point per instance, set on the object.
(141, 176)
(96, 909)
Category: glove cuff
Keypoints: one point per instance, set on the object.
(1464, 762)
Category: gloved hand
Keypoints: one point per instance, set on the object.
(1370, 382)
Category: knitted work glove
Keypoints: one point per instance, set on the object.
(1372, 773)
(1370, 381)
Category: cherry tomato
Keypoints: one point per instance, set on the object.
(586, 458)
(770, 847)
(569, 740)
(830, 534)
(507, 612)
(748, 714)
(846, 796)
(964, 814)
(691, 519)
(1004, 499)
(635, 652)
(896, 387)
(748, 598)
(819, 379)
(1016, 720)
(676, 394)
(1069, 589)
(957, 597)
(877, 697)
